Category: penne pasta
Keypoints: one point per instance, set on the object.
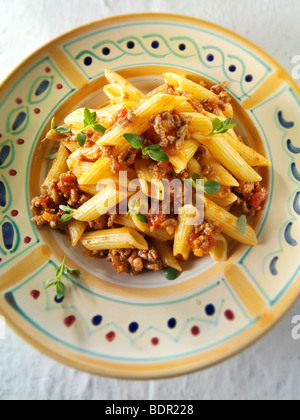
(181, 159)
(152, 106)
(105, 116)
(59, 166)
(127, 88)
(185, 227)
(166, 253)
(124, 238)
(118, 190)
(76, 230)
(100, 204)
(199, 123)
(200, 93)
(232, 160)
(220, 251)
(229, 223)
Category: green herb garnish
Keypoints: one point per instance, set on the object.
(52, 156)
(210, 187)
(154, 150)
(90, 121)
(221, 127)
(132, 212)
(65, 218)
(56, 129)
(170, 273)
(59, 271)
(242, 224)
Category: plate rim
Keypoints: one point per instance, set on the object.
(197, 362)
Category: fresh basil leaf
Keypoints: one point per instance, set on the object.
(158, 155)
(61, 130)
(65, 218)
(68, 209)
(217, 124)
(212, 187)
(53, 126)
(142, 218)
(61, 290)
(153, 147)
(242, 224)
(99, 128)
(81, 139)
(170, 273)
(88, 117)
(134, 140)
(226, 122)
(51, 157)
(220, 127)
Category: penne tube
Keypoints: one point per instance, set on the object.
(194, 167)
(99, 170)
(105, 116)
(250, 156)
(76, 230)
(123, 238)
(159, 234)
(128, 88)
(184, 85)
(220, 251)
(71, 144)
(152, 106)
(59, 166)
(118, 95)
(232, 160)
(142, 227)
(219, 173)
(185, 227)
(199, 123)
(184, 155)
(166, 254)
(229, 223)
(225, 201)
(100, 204)
(78, 167)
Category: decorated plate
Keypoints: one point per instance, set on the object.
(146, 327)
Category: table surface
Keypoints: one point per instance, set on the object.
(267, 370)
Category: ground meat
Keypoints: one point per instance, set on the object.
(46, 212)
(201, 239)
(208, 228)
(117, 166)
(251, 197)
(99, 224)
(218, 89)
(64, 191)
(161, 170)
(91, 152)
(208, 171)
(68, 185)
(99, 254)
(125, 118)
(169, 90)
(134, 261)
(171, 127)
(220, 101)
(128, 157)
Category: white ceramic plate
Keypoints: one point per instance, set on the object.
(146, 327)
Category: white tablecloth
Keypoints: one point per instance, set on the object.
(269, 369)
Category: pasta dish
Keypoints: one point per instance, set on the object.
(148, 180)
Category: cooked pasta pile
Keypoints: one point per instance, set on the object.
(181, 131)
